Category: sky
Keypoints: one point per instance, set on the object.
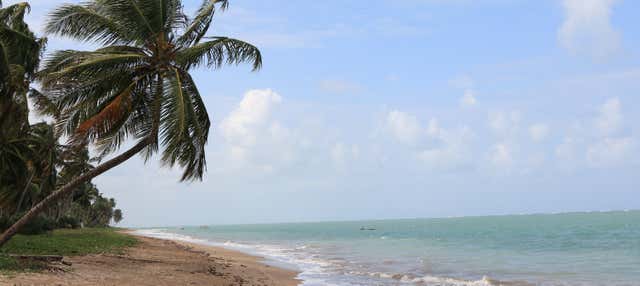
(402, 109)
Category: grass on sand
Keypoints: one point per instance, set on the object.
(65, 242)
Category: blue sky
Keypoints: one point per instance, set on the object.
(413, 108)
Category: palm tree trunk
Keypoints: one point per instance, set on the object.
(42, 205)
(26, 187)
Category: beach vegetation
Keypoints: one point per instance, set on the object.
(33, 161)
(63, 242)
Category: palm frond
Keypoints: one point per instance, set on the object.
(199, 26)
(132, 124)
(65, 68)
(219, 51)
(109, 115)
(120, 49)
(86, 23)
(43, 104)
(182, 132)
(13, 16)
(197, 108)
(62, 59)
(98, 63)
(20, 48)
(134, 15)
(80, 100)
(173, 16)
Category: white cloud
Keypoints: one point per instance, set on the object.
(538, 132)
(609, 119)
(504, 123)
(254, 139)
(452, 150)
(239, 128)
(609, 152)
(468, 99)
(587, 28)
(403, 126)
(601, 144)
(501, 155)
(465, 83)
(439, 148)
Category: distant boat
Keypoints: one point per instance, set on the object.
(364, 228)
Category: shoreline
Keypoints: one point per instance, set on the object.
(280, 275)
(161, 262)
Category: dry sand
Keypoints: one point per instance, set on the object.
(158, 262)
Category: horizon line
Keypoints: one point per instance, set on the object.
(389, 219)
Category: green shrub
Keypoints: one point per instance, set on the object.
(38, 225)
(68, 222)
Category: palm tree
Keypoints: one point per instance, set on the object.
(43, 158)
(137, 85)
(20, 143)
(20, 52)
(117, 216)
(28, 164)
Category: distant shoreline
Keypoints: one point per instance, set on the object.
(396, 219)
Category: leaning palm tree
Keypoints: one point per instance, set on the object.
(137, 86)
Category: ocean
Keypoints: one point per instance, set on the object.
(595, 248)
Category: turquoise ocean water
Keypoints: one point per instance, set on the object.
(599, 248)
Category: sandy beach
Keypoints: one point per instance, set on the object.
(161, 262)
